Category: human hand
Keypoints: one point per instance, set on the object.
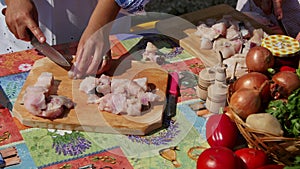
(21, 17)
(269, 6)
(93, 55)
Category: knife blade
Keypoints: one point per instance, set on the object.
(4, 101)
(50, 52)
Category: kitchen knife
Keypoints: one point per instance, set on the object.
(50, 52)
(4, 101)
(47, 50)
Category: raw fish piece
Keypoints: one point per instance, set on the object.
(206, 44)
(142, 82)
(119, 103)
(114, 103)
(38, 102)
(237, 44)
(124, 96)
(103, 84)
(36, 89)
(134, 107)
(150, 52)
(134, 89)
(258, 35)
(105, 103)
(151, 48)
(227, 51)
(206, 32)
(225, 46)
(104, 80)
(45, 80)
(119, 85)
(241, 68)
(88, 84)
(34, 102)
(147, 97)
(56, 105)
(232, 33)
(103, 88)
(220, 28)
(131, 88)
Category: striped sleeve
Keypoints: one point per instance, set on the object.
(132, 6)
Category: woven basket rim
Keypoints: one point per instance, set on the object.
(274, 146)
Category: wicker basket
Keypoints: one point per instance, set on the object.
(282, 150)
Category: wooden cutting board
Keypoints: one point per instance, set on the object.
(181, 29)
(86, 117)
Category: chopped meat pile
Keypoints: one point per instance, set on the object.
(118, 96)
(39, 101)
(229, 36)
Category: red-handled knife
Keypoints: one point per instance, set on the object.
(172, 94)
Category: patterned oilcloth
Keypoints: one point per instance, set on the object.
(53, 149)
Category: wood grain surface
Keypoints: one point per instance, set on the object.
(87, 117)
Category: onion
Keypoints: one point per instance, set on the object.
(285, 82)
(259, 59)
(253, 80)
(247, 101)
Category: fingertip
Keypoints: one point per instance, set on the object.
(42, 39)
(71, 74)
(78, 76)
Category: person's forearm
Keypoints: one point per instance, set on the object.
(105, 12)
(8, 2)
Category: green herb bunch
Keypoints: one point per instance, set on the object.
(287, 113)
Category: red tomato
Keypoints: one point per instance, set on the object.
(252, 158)
(218, 158)
(287, 68)
(221, 131)
(271, 166)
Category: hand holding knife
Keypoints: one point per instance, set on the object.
(37, 40)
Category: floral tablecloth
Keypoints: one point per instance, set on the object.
(49, 148)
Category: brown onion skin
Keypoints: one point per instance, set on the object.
(245, 102)
(259, 59)
(253, 80)
(285, 82)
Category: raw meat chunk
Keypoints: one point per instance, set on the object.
(34, 102)
(88, 84)
(56, 105)
(120, 96)
(38, 101)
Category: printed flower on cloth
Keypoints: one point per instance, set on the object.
(18, 62)
(70, 143)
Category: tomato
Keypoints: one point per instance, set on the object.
(221, 131)
(252, 158)
(218, 158)
(271, 166)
